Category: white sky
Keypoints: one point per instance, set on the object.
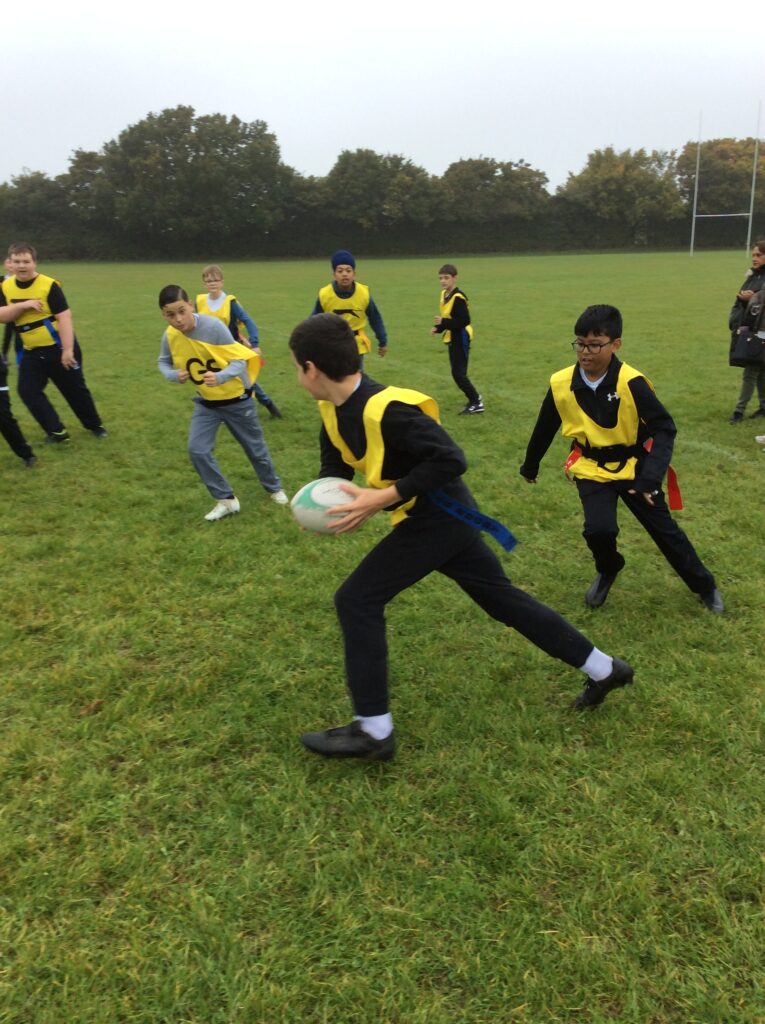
(548, 82)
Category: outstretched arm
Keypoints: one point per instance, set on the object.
(376, 323)
(242, 316)
(547, 426)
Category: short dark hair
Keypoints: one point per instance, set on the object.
(327, 341)
(599, 320)
(448, 268)
(18, 247)
(172, 293)
(759, 245)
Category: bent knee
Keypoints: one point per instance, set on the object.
(353, 602)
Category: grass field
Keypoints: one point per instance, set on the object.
(170, 853)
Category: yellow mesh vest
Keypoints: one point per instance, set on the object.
(224, 313)
(576, 424)
(354, 310)
(40, 288)
(445, 309)
(371, 464)
(197, 358)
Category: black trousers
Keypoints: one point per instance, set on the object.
(9, 426)
(459, 353)
(40, 365)
(410, 552)
(599, 502)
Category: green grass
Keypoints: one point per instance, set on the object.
(168, 851)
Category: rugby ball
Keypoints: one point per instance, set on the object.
(310, 504)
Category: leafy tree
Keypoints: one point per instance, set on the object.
(33, 207)
(725, 175)
(483, 190)
(369, 190)
(630, 190)
(181, 181)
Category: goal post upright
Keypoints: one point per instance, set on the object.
(749, 214)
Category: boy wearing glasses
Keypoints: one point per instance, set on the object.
(621, 445)
(215, 302)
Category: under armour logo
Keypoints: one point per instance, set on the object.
(613, 397)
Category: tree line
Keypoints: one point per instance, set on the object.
(176, 185)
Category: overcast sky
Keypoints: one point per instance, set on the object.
(546, 82)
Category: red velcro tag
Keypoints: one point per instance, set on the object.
(573, 455)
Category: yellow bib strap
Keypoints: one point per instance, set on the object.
(371, 463)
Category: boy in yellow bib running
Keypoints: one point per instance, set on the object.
(42, 320)
(413, 470)
(453, 324)
(621, 444)
(216, 302)
(352, 300)
(198, 350)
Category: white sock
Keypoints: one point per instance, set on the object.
(379, 727)
(598, 666)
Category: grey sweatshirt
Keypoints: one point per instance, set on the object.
(211, 331)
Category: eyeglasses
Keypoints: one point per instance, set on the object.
(589, 346)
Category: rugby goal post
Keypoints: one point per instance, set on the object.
(749, 214)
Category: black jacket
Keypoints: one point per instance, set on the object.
(755, 282)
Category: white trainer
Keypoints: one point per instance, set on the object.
(760, 439)
(225, 507)
(279, 497)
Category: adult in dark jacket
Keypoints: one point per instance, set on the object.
(754, 376)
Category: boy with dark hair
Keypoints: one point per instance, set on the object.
(453, 324)
(199, 349)
(216, 302)
(411, 464)
(352, 300)
(38, 309)
(622, 440)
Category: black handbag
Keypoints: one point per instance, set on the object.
(746, 349)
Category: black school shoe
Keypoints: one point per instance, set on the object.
(599, 588)
(57, 437)
(350, 741)
(595, 693)
(713, 601)
(473, 408)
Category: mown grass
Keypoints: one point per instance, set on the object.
(169, 853)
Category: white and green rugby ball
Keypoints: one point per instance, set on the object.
(310, 504)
